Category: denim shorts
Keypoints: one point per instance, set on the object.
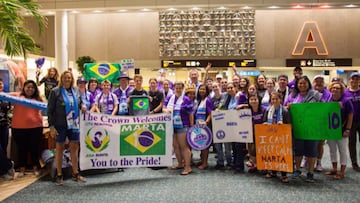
(63, 133)
(180, 130)
(306, 148)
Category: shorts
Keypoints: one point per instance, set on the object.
(306, 148)
(63, 133)
(180, 130)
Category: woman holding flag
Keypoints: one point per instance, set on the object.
(63, 114)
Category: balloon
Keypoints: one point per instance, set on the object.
(40, 62)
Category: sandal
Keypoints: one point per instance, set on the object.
(284, 179)
(203, 167)
(176, 167)
(185, 172)
(338, 177)
(330, 173)
(270, 175)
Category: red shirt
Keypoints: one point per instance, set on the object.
(26, 117)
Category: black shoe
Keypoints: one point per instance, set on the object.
(356, 167)
(219, 167)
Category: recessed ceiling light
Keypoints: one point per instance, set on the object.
(145, 9)
(222, 8)
(325, 6)
(171, 9)
(247, 7)
(195, 8)
(97, 11)
(298, 6)
(74, 11)
(122, 10)
(50, 13)
(273, 7)
(351, 6)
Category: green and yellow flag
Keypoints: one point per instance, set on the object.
(103, 71)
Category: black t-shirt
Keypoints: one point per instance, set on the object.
(138, 93)
(4, 110)
(157, 98)
(50, 83)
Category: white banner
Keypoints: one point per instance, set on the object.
(232, 126)
(125, 141)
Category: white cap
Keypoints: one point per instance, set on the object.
(318, 76)
(219, 76)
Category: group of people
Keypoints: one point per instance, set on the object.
(190, 103)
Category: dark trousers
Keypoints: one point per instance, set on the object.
(5, 163)
(27, 140)
(355, 128)
(4, 137)
(239, 155)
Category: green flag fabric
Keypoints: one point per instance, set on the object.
(103, 71)
(316, 121)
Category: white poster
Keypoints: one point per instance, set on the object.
(232, 126)
(125, 141)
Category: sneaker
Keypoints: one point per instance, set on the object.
(296, 174)
(310, 178)
(59, 180)
(356, 167)
(78, 178)
(219, 167)
(319, 168)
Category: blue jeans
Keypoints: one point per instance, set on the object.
(239, 155)
(220, 153)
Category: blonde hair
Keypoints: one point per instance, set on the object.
(62, 77)
(138, 76)
(342, 87)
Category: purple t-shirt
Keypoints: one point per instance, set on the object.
(185, 110)
(242, 99)
(298, 99)
(258, 117)
(118, 92)
(209, 106)
(354, 97)
(346, 108)
(326, 95)
(167, 99)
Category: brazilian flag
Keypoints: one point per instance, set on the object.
(139, 105)
(103, 71)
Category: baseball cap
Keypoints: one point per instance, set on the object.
(81, 80)
(355, 74)
(318, 77)
(219, 76)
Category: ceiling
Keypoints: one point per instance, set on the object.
(99, 6)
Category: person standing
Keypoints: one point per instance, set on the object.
(297, 72)
(63, 115)
(50, 80)
(122, 93)
(353, 93)
(27, 127)
(106, 102)
(347, 111)
(156, 97)
(283, 87)
(4, 120)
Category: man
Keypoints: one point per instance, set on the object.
(283, 87)
(353, 93)
(297, 73)
(219, 77)
(161, 78)
(122, 93)
(319, 85)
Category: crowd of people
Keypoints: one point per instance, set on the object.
(190, 103)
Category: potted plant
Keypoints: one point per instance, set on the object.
(82, 60)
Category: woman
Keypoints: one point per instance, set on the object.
(181, 108)
(277, 114)
(228, 102)
(50, 80)
(156, 97)
(203, 117)
(347, 112)
(93, 90)
(63, 116)
(270, 87)
(257, 113)
(4, 120)
(260, 84)
(106, 102)
(27, 127)
(84, 94)
(303, 93)
(244, 85)
(168, 92)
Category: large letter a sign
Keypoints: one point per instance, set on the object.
(310, 38)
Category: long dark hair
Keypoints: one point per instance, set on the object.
(207, 92)
(259, 105)
(36, 94)
(296, 89)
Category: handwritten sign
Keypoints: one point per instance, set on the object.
(232, 126)
(274, 147)
(316, 121)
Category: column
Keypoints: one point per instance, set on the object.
(61, 41)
